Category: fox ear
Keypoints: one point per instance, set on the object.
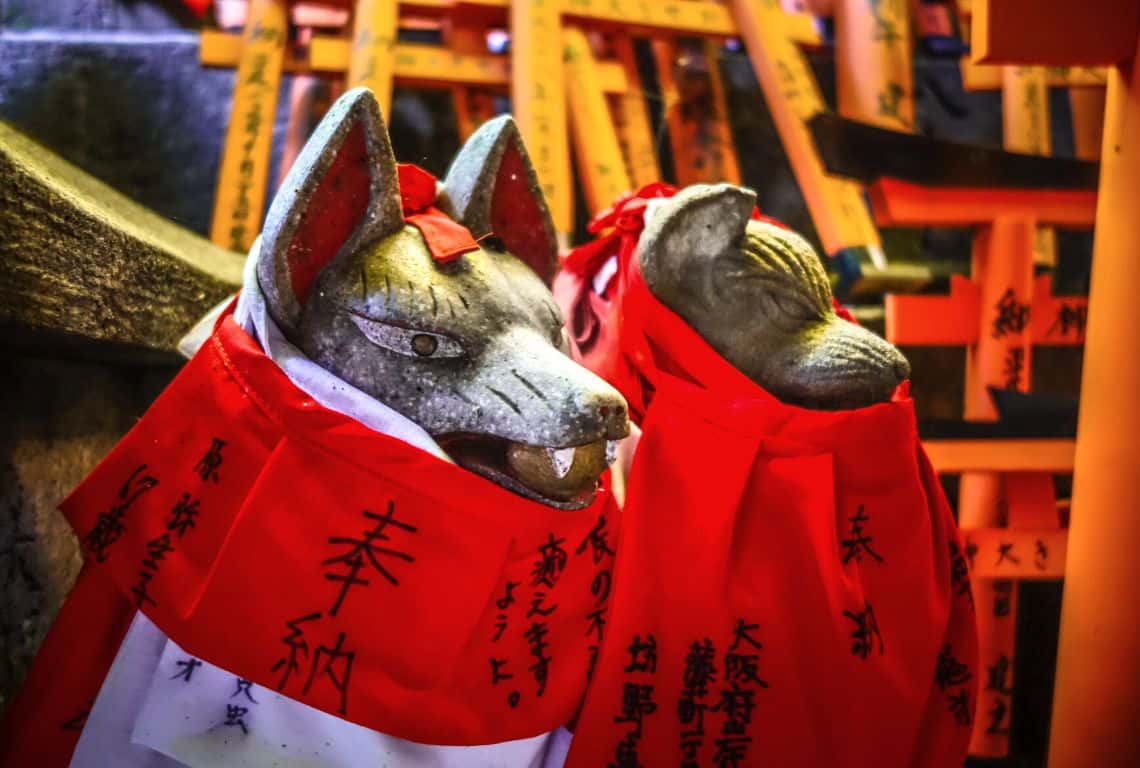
(696, 225)
(491, 188)
(341, 193)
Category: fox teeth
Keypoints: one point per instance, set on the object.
(562, 459)
(611, 452)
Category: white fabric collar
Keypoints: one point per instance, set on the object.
(335, 394)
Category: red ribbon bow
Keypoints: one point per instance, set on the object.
(446, 239)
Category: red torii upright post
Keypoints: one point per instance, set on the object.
(1096, 706)
(999, 314)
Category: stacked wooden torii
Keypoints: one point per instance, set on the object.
(603, 116)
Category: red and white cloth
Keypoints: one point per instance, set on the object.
(333, 589)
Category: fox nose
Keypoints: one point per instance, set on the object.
(613, 417)
(902, 368)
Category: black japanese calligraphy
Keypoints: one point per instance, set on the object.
(363, 549)
(997, 676)
(699, 674)
(948, 671)
(865, 635)
(1012, 315)
(1003, 598)
(335, 656)
(109, 526)
(536, 637)
(596, 541)
(1070, 319)
(959, 573)
(295, 641)
(211, 461)
(1013, 366)
(858, 542)
(244, 688)
(551, 562)
(496, 674)
(643, 655)
(182, 515)
(235, 716)
(186, 669)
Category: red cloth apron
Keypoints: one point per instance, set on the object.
(294, 547)
(791, 589)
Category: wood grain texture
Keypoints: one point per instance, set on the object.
(80, 262)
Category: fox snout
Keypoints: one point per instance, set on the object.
(758, 295)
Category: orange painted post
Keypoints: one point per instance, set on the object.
(874, 72)
(1003, 269)
(1025, 128)
(686, 154)
(373, 49)
(631, 119)
(601, 168)
(728, 169)
(696, 113)
(1000, 314)
(538, 101)
(793, 97)
(1096, 705)
(240, 198)
(474, 105)
(1087, 107)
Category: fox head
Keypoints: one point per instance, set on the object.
(473, 350)
(759, 296)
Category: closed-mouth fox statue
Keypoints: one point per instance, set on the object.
(785, 540)
(287, 521)
(757, 293)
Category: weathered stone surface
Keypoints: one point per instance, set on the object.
(59, 418)
(78, 258)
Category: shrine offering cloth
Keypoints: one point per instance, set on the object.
(307, 554)
(790, 587)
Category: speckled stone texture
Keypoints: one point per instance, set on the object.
(59, 419)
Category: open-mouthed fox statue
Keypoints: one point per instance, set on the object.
(369, 521)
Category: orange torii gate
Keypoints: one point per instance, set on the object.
(371, 55)
(1096, 708)
(999, 314)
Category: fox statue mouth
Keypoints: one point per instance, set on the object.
(561, 477)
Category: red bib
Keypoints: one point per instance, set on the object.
(294, 547)
(790, 590)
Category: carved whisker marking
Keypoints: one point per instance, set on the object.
(514, 407)
(387, 291)
(411, 296)
(434, 301)
(465, 398)
(450, 308)
(537, 392)
(462, 299)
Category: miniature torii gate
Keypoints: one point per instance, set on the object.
(999, 315)
(1097, 701)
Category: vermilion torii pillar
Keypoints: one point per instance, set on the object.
(1096, 707)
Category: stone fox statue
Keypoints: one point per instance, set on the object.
(792, 588)
(757, 293)
(284, 563)
(472, 349)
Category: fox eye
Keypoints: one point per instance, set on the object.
(408, 342)
(783, 311)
